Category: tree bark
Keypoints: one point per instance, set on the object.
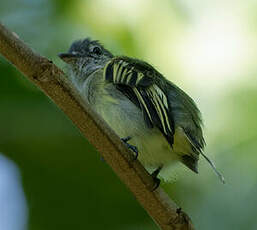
(52, 81)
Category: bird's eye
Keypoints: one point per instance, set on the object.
(97, 50)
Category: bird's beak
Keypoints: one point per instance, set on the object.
(68, 57)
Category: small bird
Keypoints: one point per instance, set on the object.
(160, 121)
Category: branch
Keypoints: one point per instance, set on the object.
(52, 81)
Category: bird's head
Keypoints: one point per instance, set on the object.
(86, 56)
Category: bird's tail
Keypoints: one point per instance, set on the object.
(191, 160)
(213, 167)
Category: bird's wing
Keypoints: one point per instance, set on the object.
(138, 81)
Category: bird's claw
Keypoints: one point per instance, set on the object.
(132, 147)
(157, 181)
(126, 139)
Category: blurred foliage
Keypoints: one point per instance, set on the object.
(65, 182)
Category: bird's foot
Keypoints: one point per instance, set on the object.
(132, 147)
(154, 175)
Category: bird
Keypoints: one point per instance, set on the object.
(152, 116)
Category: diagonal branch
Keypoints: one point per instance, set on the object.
(52, 81)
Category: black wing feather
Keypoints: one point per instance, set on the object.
(136, 80)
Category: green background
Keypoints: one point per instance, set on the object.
(208, 48)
